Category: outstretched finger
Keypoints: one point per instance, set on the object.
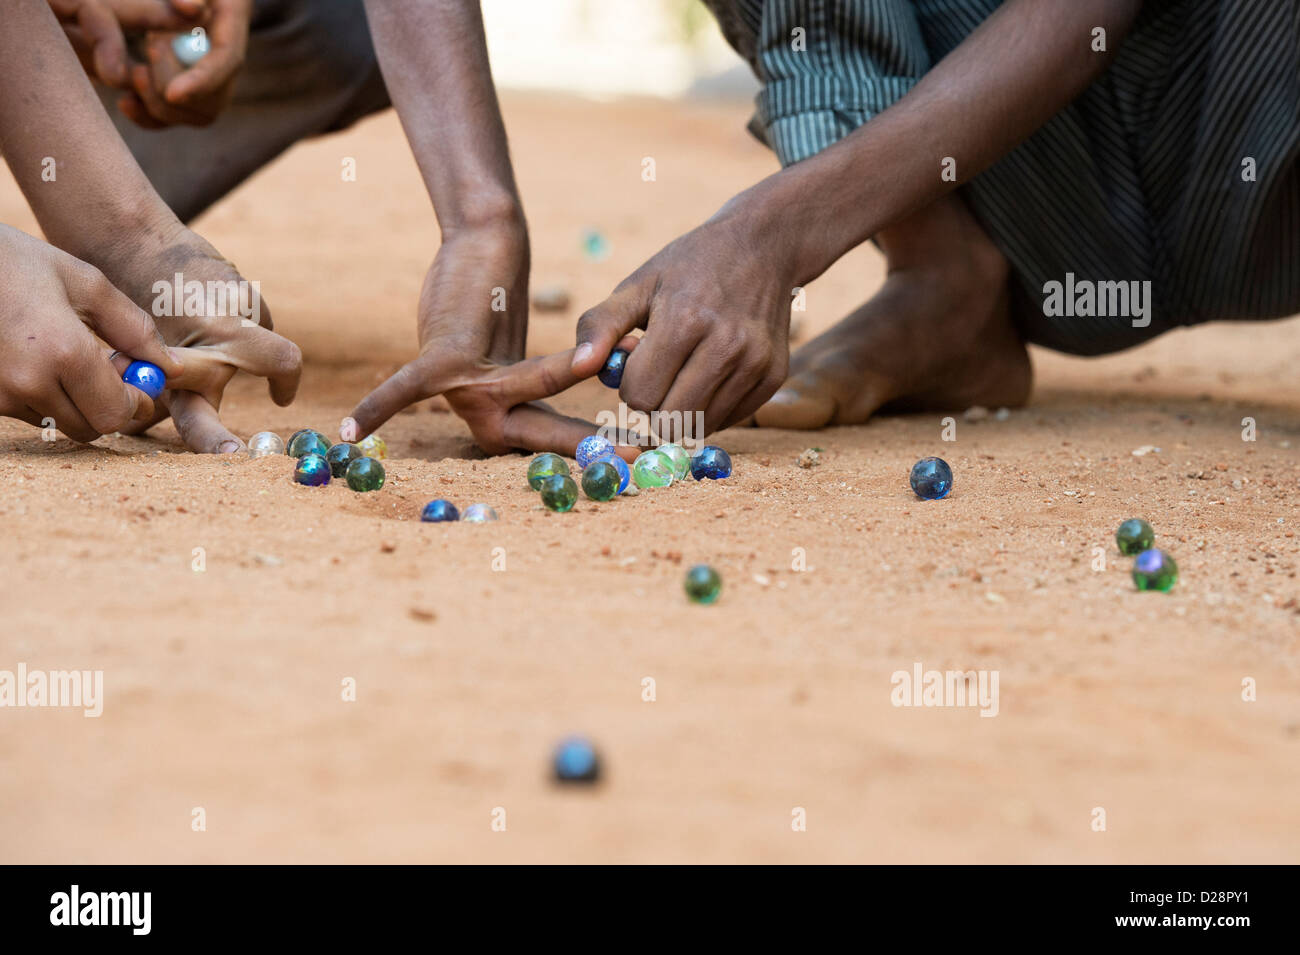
(414, 381)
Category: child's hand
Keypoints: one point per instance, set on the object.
(162, 91)
(54, 369)
(472, 355)
(716, 314)
(98, 29)
(213, 346)
(167, 93)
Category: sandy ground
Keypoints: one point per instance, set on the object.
(223, 687)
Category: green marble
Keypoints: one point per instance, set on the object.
(653, 469)
(340, 456)
(365, 474)
(600, 481)
(1134, 536)
(559, 492)
(307, 441)
(681, 460)
(1155, 570)
(703, 584)
(544, 466)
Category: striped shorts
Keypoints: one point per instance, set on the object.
(1179, 166)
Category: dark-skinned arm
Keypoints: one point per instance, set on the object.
(435, 64)
(719, 296)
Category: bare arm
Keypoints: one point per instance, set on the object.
(435, 64)
(434, 58)
(98, 195)
(715, 303)
(1015, 72)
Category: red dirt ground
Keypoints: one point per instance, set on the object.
(223, 687)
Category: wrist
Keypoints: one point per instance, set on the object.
(777, 218)
(126, 227)
(497, 214)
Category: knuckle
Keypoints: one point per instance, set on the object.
(589, 324)
(636, 398)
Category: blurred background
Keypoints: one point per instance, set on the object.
(607, 48)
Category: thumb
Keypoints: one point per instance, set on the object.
(600, 328)
(116, 319)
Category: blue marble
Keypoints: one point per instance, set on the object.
(624, 472)
(710, 462)
(436, 512)
(312, 470)
(590, 448)
(575, 761)
(611, 376)
(931, 478)
(148, 378)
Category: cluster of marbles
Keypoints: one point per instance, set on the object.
(149, 378)
(441, 511)
(1153, 569)
(931, 478)
(264, 444)
(611, 375)
(318, 460)
(575, 761)
(703, 584)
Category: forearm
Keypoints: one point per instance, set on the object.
(434, 59)
(92, 196)
(1017, 70)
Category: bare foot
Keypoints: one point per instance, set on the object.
(937, 336)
